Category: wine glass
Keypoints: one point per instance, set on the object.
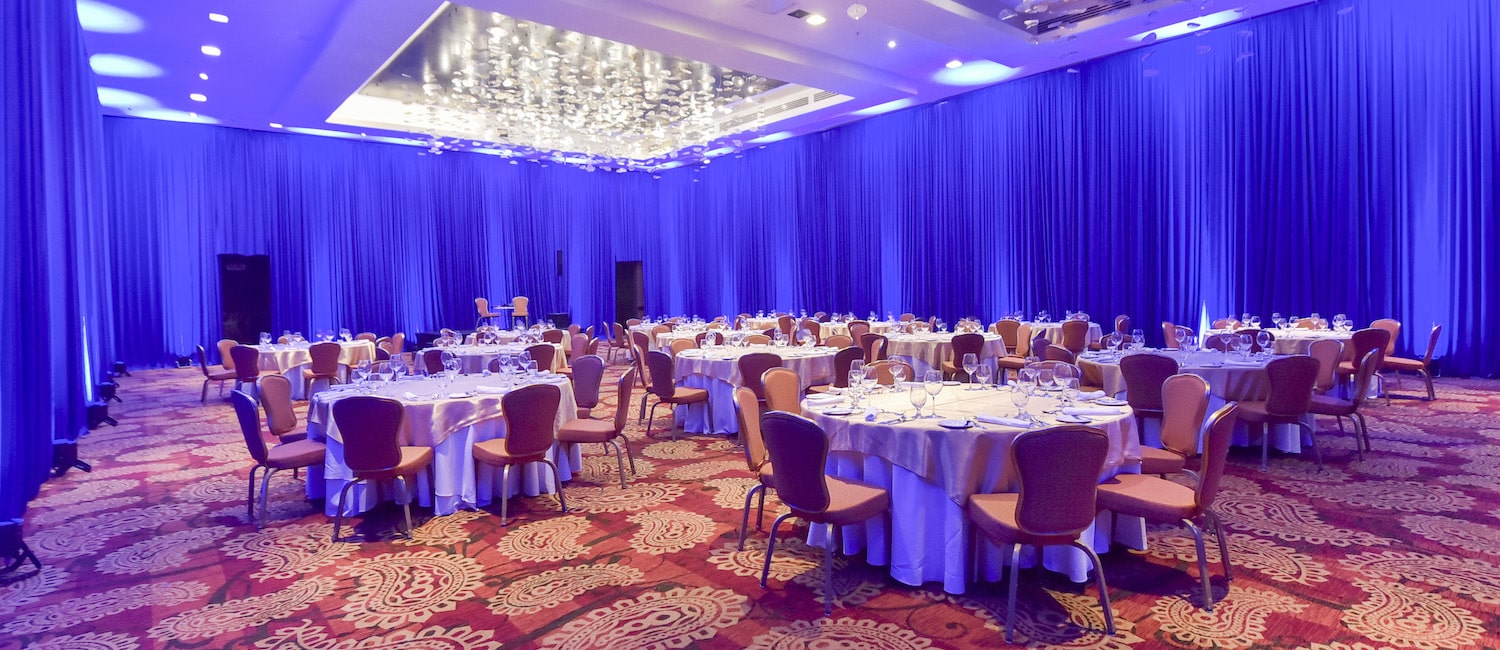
(530, 366)
(1277, 320)
(1114, 341)
(1317, 321)
(361, 372)
(1028, 378)
(345, 334)
(983, 374)
(870, 379)
(898, 373)
(970, 364)
(1070, 390)
(1264, 340)
(1137, 339)
(398, 366)
(265, 338)
(1246, 344)
(932, 382)
(1061, 374)
(1019, 398)
(918, 397)
(856, 371)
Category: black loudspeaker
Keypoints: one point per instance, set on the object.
(245, 296)
(65, 457)
(13, 551)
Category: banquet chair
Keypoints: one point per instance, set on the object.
(1059, 353)
(210, 376)
(1421, 366)
(841, 362)
(618, 340)
(276, 399)
(1309, 323)
(783, 392)
(1160, 501)
(1217, 342)
(290, 455)
(1328, 352)
(609, 434)
(812, 327)
(1009, 330)
(678, 345)
(666, 391)
(885, 371)
(1291, 379)
(875, 347)
(1144, 376)
(543, 354)
(1362, 342)
(632, 322)
(908, 317)
(365, 336)
(858, 329)
(588, 373)
(1015, 360)
(752, 366)
(225, 359)
(787, 326)
(1224, 324)
(574, 328)
(1331, 405)
(838, 341)
(638, 361)
(371, 429)
(246, 365)
(953, 366)
(1184, 401)
(798, 451)
(529, 413)
(1169, 335)
(482, 305)
(588, 331)
(284, 339)
(1122, 327)
(757, 339)
(821, 317)
(747, 413)
(1254, 334)
(553, 336)
(579, 346)
(591, 346)
(432, 361)
(659, 329)
(1057, 474)
(919, 326)
(520, 310)
(1391, 326)
(641, 341)
(1075, 336)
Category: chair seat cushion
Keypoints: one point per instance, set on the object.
(301, 453)
(1011, 362)
(1402, 363)
(412, 459)
(995, 516)
(581, 431)
(309, 374)
(1147, 497)
(850, 502)
(1161, 461)
(1255, 413)
(684, 395)
(818, 390)
(221, 375)
(585, 412)
(951, 369)
(768, 475)
(1346, 368)
(292, 436)
(492, 452)
(1329, 405)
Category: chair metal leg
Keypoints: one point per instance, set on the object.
(1208, 594)
(745, 519)
(1364, 430)
(1340, 420)
(562, 502)
(1427, 378)
(625, 442)
(642, 419)
(1317, 454)
(1010, 598)
(1109, 615)
(338, 513)
(1218, 524)
(619, 459)
(771, 548)
(1265, 446)
(203, 399)
(652, 419)
(265, 482)
(250, 498)
(504, 498)
(760, 512)
(828, 594)
(405, 496)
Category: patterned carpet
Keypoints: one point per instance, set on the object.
(154, 550)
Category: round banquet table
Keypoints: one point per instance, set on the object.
(469, 412)
(1053, 331)
(664, 340)
(834, 328)
(717, 370)
(291, 359)
(925, 351)
(931, 471)
(1230, 379)
(1296, 340)
(474, 359)
(505, 337)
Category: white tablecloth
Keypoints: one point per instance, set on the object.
(830, 329)
(928, 351)
(931, 471)
(1053, 331)
(1296, 341)
(290, 360)
(450, 427)
(717, 370)
(475, 358)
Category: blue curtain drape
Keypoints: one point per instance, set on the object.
(52, 225)
(1316, 159)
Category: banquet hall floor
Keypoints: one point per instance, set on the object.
(154, 549)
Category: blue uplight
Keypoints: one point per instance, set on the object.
(95, 16)
(887, 107)
(119, 65)
(772, 137)
(974, 73)
(122, 99)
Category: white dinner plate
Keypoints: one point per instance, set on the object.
(950, 383)
(1072, 419)
(955, 424)
(1110, 401)
(839, 412)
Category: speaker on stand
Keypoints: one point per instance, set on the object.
(13, 550)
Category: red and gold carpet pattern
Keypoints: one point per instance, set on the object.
(154, 550)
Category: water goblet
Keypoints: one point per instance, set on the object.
(856, 371)
(982, 374)
(1263, 340)
(1317, 321)
(530, 365)
(265, 338)
(1070, 390)
(870, 379)
(970, 364)
(898, 374)
(1019, 398)
(1137, 339)
(918, 397)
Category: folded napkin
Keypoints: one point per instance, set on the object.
(490, 390)
(1004, 422)
(824, 400)
(1078, 410)
(1093, 394)
(411, 397)
(1242, 363)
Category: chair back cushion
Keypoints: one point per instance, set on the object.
(747, 411)
(246, 362)
(1008, 328)
(663, 383)
(798, 449)
(244, 409)
(1144, 375)
(542, 354)
(1169, 334)
(1392, 327)
(579, 345)
(857, 330)
(623, 388)
(841, 361)
(530, 412)
(752, 366)
(276, 399)
(369, 426)
(1075, 335)
(967, 344)
(1058, 471)
(874, 346)
(1367, 339)
(1184, 403)
(1292, 380)
(225, 359)
(1328, 352)
(432, 361)
(782, 390)
(553, 336)
(588, 372)
(1215, 451)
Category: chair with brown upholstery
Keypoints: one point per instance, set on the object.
(1122, 327)
(209, 376)
(953, 366)
(1309, 323)
(366, 336)
(907, 317)
(1169, 335)
(666, 390)
(281, 416)
(1016, 359)
(1328, 352)
(1009, 330)
(1361, 342)
(1331, 405)
(885, 371)
(757, 339)
(1253, 333)
(787, 326)
(290, 455)
(1392, 327)
(529, 412)
(678, 345)
(814, 328)
(609, 434)
(841, 362)
(543, 354)
(838, 341)
(1158, 500)
(641, 340)
(1421, 366)
(798, 449)
(520, 309)
(1075, 336)
(783, 392)
(632, 322)
(1057, 472)
(579, 346)
(752, 366)
(1059, 353)
(619, 340)
(1292, 379)
(225, 359)
(588, 373)
(1144, 375)
(747, 414)
(874, 346)
(858, 329)
(1184, 403)
(432, 361)
(370, 427)
(246, 365)
(482, 306)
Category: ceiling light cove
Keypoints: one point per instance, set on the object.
(772, 137)
(124, 99)
(1190, 26)
(119, 65)
(893, 105)
(96, 16)
(974, 73)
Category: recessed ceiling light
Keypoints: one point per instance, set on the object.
(815, 19)
(891, 44)
(955, 63)
(210, 50)
(203, 76)
(275, 125)
(218, 18)
(198, 97)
